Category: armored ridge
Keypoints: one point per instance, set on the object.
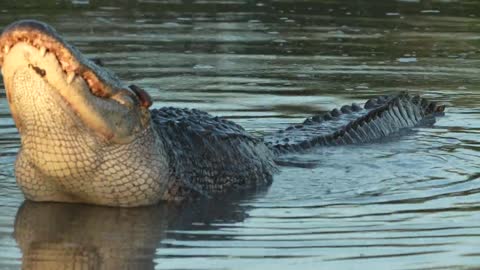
(379, 118)
(87, 137)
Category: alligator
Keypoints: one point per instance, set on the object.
(88, 137)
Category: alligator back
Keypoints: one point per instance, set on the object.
(209, 155)
(378, 118)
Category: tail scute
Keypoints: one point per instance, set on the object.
(380, 117)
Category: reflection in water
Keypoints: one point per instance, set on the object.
(64, 236)
(55, 236)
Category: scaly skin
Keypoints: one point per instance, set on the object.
(87, 137)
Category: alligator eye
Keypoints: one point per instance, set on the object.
(38, 70)
(143, 96)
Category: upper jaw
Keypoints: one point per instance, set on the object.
(42, 36)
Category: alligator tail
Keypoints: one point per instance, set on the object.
(377, 119)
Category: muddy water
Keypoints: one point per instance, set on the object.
(411, 202)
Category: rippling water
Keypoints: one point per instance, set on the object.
(411, 202)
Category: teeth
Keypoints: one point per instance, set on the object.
(43, 51)
(6, 49)
(70, 77)
(123, 99)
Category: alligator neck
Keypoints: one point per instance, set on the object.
(131, 174)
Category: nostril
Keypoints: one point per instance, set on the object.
(38, 70)
(144, 97)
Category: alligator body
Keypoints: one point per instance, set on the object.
(87, 137)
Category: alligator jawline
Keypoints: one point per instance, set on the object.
(67, 61)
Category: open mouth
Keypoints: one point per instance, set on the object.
(41, 37)
(73, 64)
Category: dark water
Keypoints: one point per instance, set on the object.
(408, 203)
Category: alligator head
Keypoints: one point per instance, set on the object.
(34, 56)
(77, 121)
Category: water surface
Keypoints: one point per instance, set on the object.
(411, 202)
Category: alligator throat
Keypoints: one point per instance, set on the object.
(86, 137)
